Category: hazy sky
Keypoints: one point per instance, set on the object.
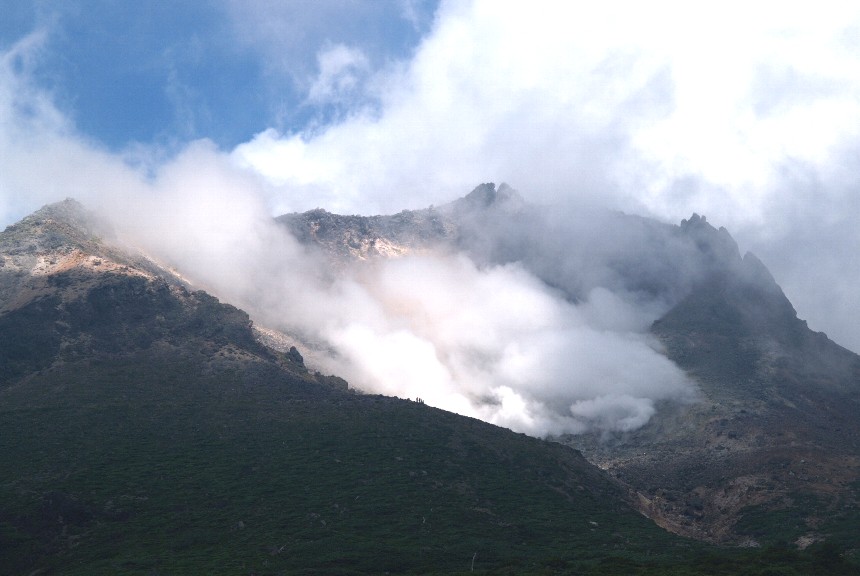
(748, 112)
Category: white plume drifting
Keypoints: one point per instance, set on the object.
(671, 108)
(492, 342)
(746, 112)
(496, 343)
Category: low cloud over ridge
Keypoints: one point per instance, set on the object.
(489, 340)
(662, 110)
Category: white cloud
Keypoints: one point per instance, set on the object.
(42, 158)
(341, 70)
(288, 35)
(663, 108)
(493, 343)
(617, 413)
(565, 99)
(666, 108)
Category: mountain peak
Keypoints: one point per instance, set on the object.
(68, 209)
(64, 244)
(62, 225)
(487, 195)
(716, 244)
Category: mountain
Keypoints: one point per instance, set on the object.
(144, 429)
(768, 453)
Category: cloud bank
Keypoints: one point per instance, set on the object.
(490, 341)
(496, 343)
(749, 114)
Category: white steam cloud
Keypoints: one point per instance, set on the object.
(747, 113)
(497, 344)
(492, 342)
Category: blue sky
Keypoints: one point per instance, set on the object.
(170, 72)
(746, 112)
